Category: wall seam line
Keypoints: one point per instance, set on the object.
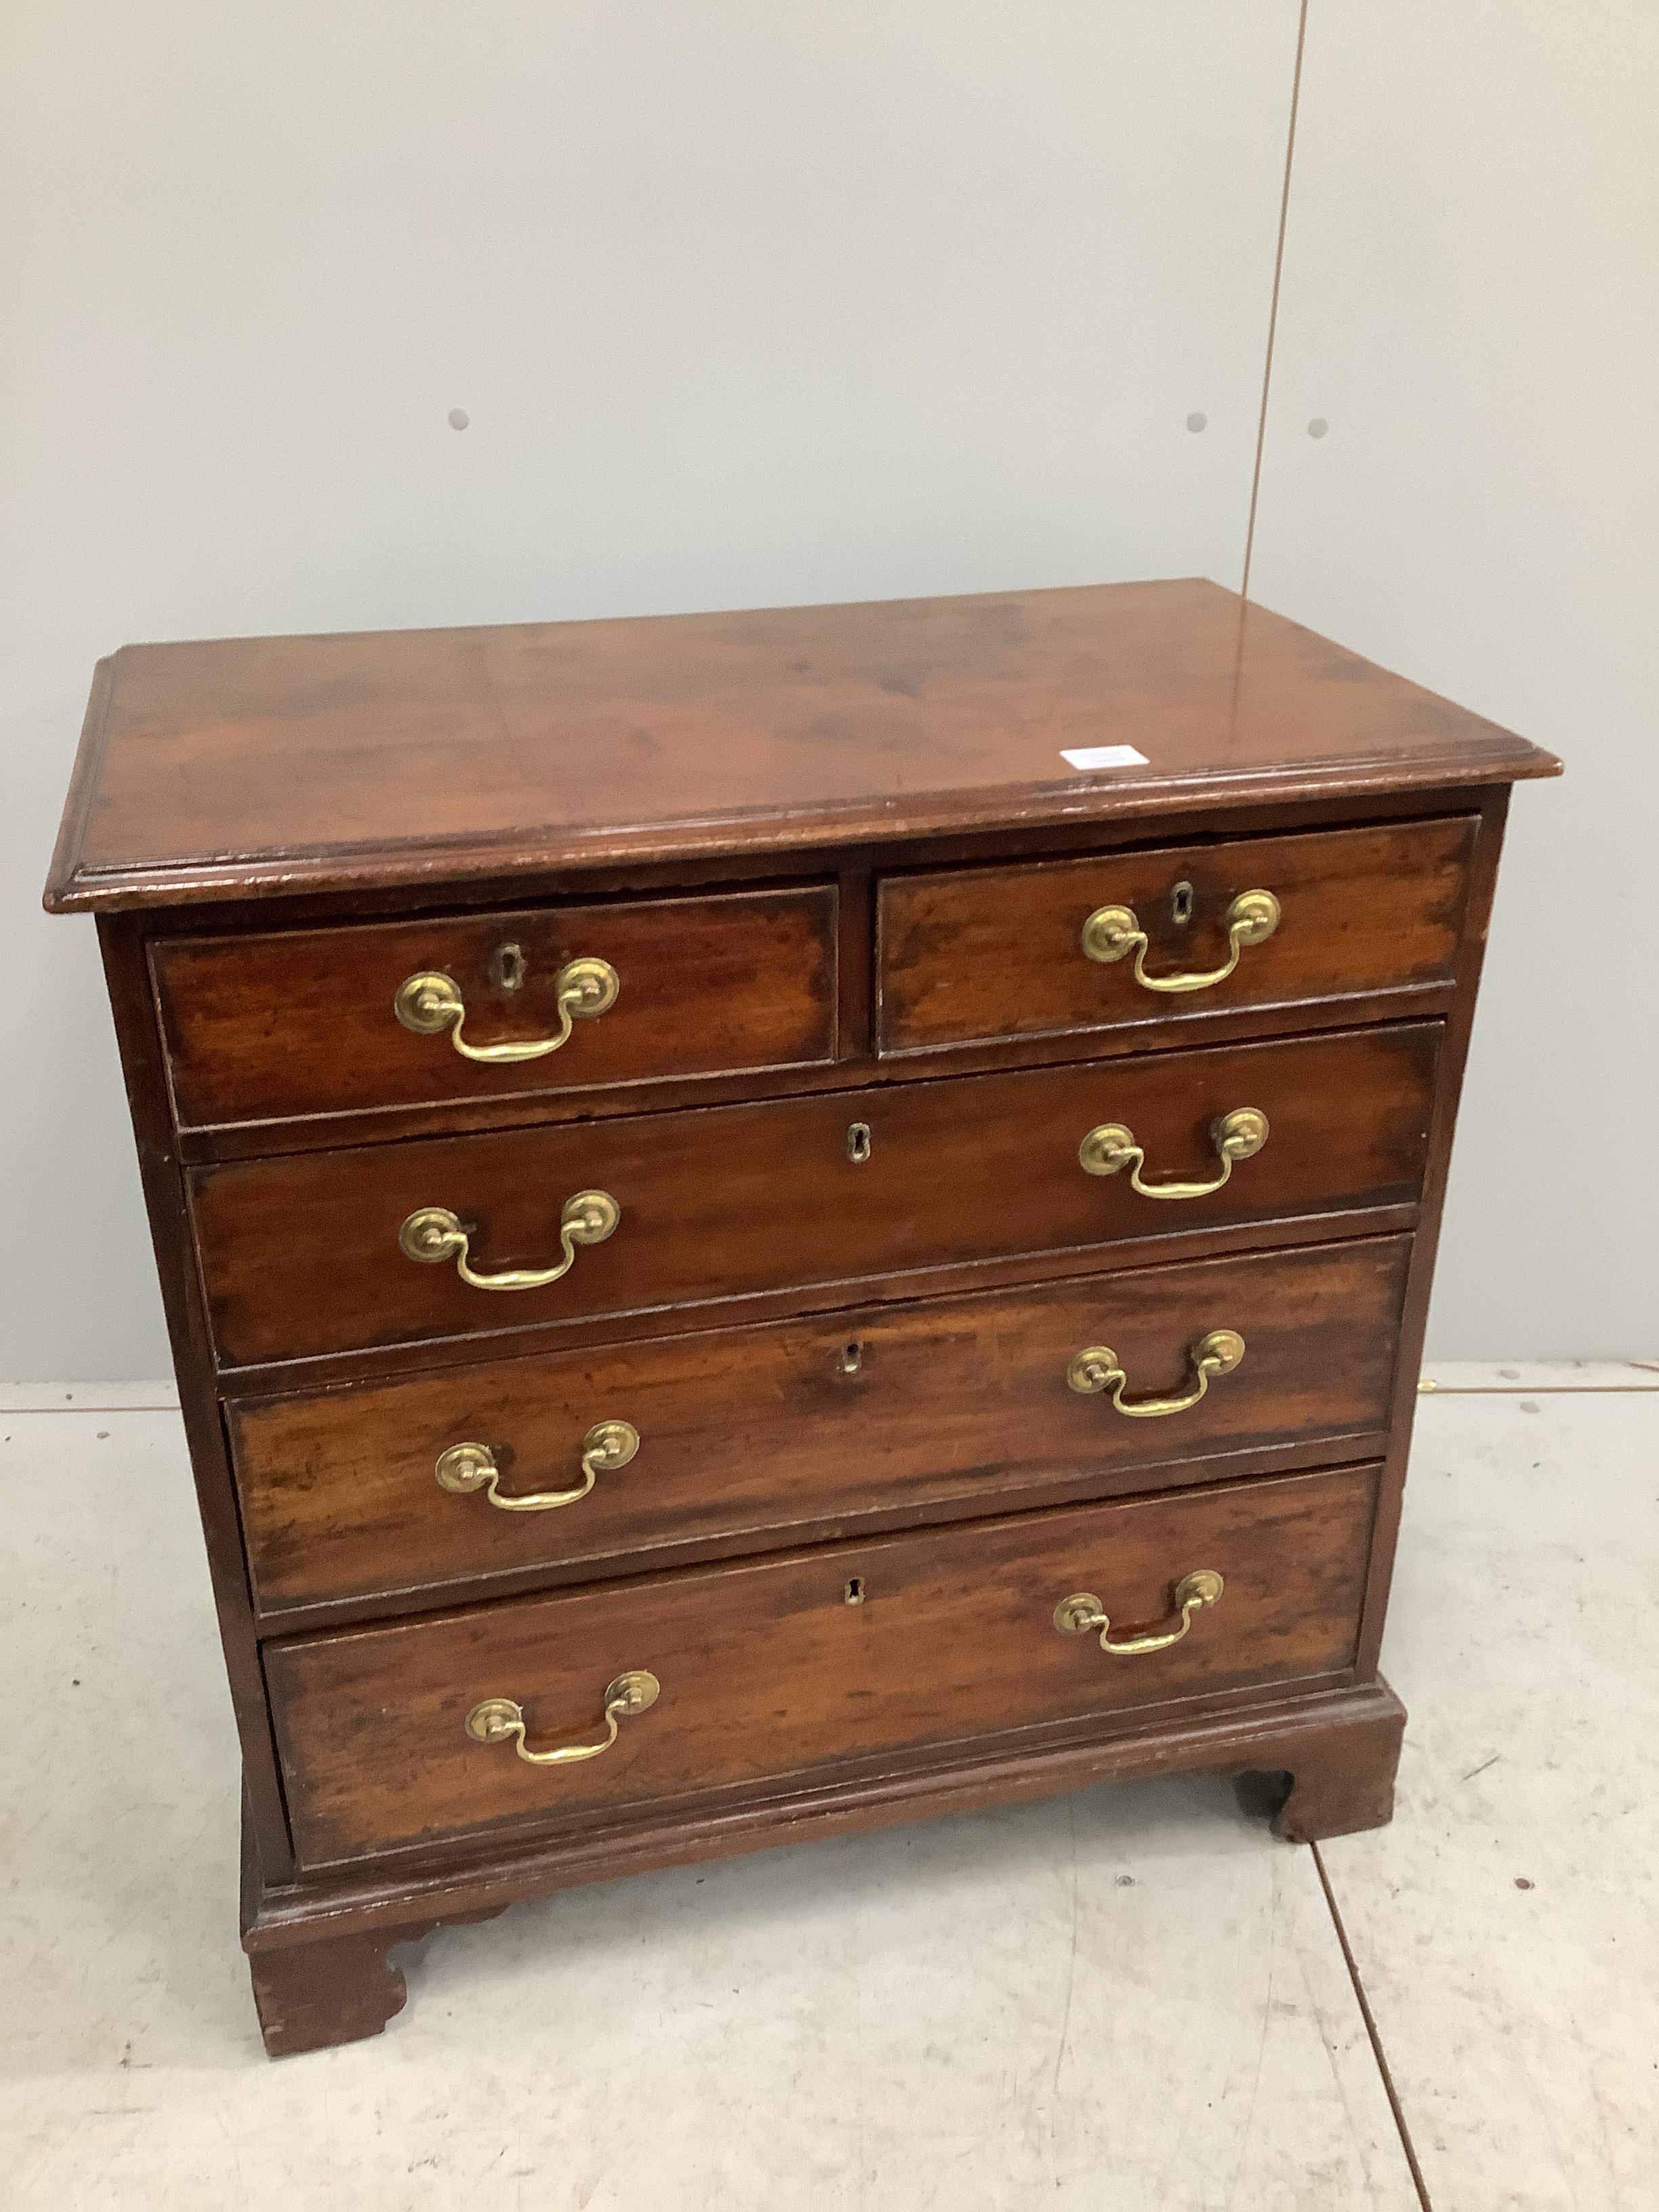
(1272, 305)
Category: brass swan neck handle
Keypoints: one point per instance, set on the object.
(1111, 1147)
(1111, 932)
(1083, 1613)
(501, 1720)
(432, 1234)
(430, 1002)
(1098, 1369)
(464, 1468)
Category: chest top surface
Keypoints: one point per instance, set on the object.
(331, 764)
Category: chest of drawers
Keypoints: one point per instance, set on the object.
(780, 1221)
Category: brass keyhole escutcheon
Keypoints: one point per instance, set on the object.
(851, 1359)
(860, 1142)
(507, 967)
(1181, 905)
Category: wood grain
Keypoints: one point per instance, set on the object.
(767, 1671)
(1345, 1737)
(310, 1997)
(428, 759)
(757, 1438)
(300, 1256)
(301, 1021)
(730, 798)
(976, 954)
(120, 939)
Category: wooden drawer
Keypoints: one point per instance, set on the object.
(974, 954)
(768, 1672)
(786, 1432)
(301, 1255)
(305, 1021)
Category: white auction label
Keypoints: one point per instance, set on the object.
(1104, 756)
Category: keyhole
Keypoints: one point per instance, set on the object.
(852, 1357)
(506, 967)
(854, 1593)
(859, 1142)
(1181, 905)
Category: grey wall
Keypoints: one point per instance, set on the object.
(1471, 299)
(751, 305)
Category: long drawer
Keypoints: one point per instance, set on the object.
(339, 1251)
(764, 1673)
(492, 1005)
(1126, 940)
(593, 1461)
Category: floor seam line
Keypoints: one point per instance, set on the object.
(1373, 2033)
(1518, 1390)
(34, 1411)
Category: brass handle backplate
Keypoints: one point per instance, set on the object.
(1111, 932)
(432, 1234)
(1083, 1613)
(1098, 1369)
(466, 1467)
(1110, 1147)
(430, 1002)
(501, 1720)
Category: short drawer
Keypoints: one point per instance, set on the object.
(330, 1021)
(355, 1249)
(774, 1670)
(599, 1461)
(974, 954)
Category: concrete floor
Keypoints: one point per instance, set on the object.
(1126, 2000)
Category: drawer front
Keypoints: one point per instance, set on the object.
(774, 1434)
(976, 954)
(768, 1674)
(306, 1022)
(302, 1255)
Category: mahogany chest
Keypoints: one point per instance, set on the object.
(777, 1221)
